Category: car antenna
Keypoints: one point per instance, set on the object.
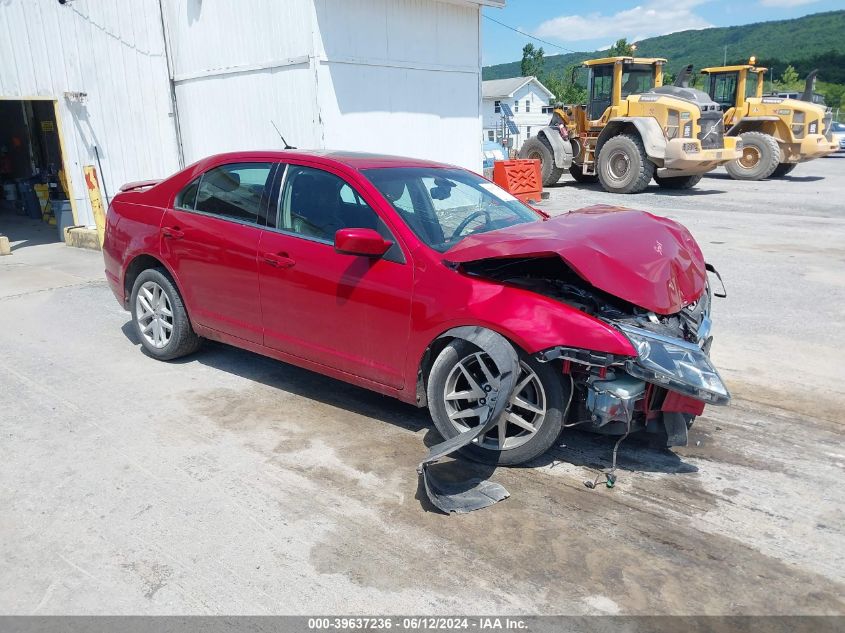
(281, 137)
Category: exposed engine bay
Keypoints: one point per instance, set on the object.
(612, 395)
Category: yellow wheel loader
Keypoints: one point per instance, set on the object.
(776, 133)
(633, 129)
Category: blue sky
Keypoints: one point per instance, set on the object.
(588, 26)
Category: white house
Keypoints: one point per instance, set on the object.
(148, 86)
(528, 99)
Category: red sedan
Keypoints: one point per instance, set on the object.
(368, 269)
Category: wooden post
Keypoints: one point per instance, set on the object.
(93, 186)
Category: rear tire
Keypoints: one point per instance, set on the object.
(548, 427)
(783, 169)
(539, 148)
(577, 173)
(160, 319)
(677, 182)
(623, 165)
(760, 157)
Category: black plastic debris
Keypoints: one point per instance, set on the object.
(474, 494)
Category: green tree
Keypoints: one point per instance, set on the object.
(789, 80)
(834, 95)
(621, 49)
(566, 87)
(532, 61)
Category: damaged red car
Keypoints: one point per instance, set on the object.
(360, 266)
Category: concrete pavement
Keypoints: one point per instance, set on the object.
(230, 483)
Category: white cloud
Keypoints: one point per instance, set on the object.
(655, 17)
(785, 3)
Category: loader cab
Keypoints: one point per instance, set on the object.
(612, 79)
(731, 86)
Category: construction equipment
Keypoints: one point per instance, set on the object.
(633, 129)
(776, 133)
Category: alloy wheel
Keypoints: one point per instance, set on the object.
(465, 396)
(154, 314)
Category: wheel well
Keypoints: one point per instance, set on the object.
(430, 355)
(615, 129)
(135, 268)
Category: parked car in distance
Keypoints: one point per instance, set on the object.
(838, 131)
(354, 265)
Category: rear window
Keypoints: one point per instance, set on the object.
(237, 191)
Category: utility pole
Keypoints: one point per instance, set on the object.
(725, 61)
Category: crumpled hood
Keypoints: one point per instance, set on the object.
(647, 260)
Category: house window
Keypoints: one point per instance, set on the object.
(516, 106)
(527, 105)
(528, 132)
(547, 109)
(497, 107)
(491, 135)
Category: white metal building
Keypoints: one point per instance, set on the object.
(528, 99)
(156, 84)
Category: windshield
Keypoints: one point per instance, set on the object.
(636, 79)
(443, 206)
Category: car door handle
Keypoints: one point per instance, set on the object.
(172, 232)
(277, 260)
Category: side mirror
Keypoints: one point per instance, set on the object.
(362, 242)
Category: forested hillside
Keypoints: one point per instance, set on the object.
(813, 41)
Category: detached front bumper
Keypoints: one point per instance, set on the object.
(687, 155)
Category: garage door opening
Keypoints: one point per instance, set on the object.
(35, 204)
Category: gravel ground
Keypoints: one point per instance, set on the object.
(230, 483)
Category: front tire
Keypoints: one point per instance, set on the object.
(534, 415)
(783, 169)
(539, 148)
(159, 316)
(677, 182)
(760, 157)
(623, 165)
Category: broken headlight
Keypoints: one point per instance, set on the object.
(676, 365)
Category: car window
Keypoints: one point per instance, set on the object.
(236, 191)
(443, 206)
(187, 198)
(315, 203)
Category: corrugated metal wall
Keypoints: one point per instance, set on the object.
(397, 76)
(237, 67)
(113, 50)
(401, 77)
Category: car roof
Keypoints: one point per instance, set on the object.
(353, 160)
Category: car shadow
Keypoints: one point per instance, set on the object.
(574, 446)
(302, 382)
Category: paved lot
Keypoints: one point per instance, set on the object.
(229, 483)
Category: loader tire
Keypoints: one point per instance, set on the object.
(623, 165)
(677, 182)
(539, 148)
(577, 172)
(783, 169)
(760, 157)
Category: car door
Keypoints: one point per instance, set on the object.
(348, 312)
(210, 240)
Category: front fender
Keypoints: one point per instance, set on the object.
(649, 130)
(531, 321)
